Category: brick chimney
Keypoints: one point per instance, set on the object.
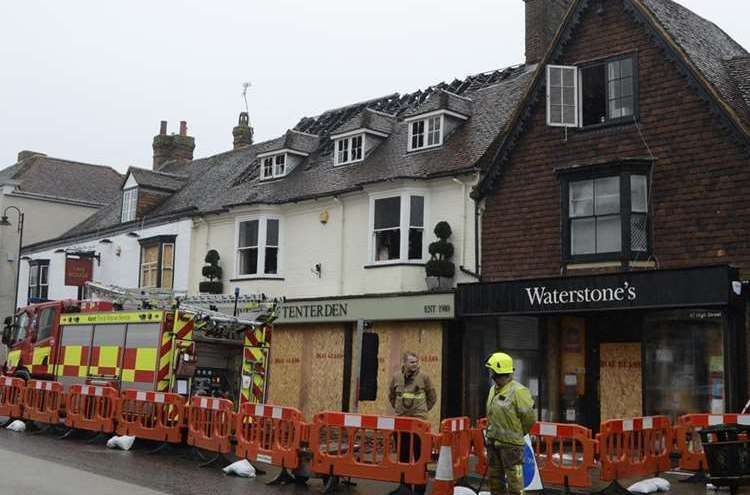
(243, 133)
(543, 18)
(26, 154)
(172, 147)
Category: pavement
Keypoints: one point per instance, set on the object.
(42, 464)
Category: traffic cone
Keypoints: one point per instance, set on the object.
(444, 482)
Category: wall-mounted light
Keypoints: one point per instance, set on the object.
(317, 270)
(324, 217)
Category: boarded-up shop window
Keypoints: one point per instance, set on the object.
(368, 369)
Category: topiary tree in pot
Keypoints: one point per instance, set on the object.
(212, 271)
(440, 269)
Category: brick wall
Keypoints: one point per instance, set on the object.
(701, 180)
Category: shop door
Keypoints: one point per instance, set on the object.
(620, 380)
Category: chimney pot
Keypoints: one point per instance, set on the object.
(183, 128)
(163, 128)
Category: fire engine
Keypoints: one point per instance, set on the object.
(145, 339)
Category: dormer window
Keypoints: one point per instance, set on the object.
(273, 166)
(129, 204)
(349, 149)
(426, 133)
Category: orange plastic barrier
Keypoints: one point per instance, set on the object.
(42, 401)
(457, 433)
(477, 446)
(209, 423)
(11, 396)
(688, 442)
(564, 451)
(634, 447)
(151, 415)
(371, 447)
(270, 434)
(92, 408)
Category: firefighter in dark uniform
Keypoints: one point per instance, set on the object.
(411, 394)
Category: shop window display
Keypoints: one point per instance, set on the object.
(684, 362)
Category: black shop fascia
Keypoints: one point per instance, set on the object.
(598, 347)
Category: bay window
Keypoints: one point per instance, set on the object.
(397, 228)
(258, 242)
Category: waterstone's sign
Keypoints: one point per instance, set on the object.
(692, 287)
(416, 307)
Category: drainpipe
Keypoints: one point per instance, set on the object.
(476, 240)
(341, 247)
(463, 236)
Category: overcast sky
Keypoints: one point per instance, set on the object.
(90, 80)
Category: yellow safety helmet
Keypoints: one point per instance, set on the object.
(500, 363)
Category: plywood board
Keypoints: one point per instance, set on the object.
(307, 367)
(424, 338)
(620, 380)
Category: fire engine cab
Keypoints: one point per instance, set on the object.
(159, 344)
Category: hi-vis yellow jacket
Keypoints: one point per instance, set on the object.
(510, 414)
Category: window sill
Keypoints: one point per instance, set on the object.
(423, 149)
(607, 125)
(253, 277)
(395, 263)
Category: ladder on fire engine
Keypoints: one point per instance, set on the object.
(259, 312)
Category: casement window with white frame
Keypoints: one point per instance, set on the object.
(273, 166)
(38, 279)
(593, 94)
(397, 228)
(349, 149)
(426, 133)
(258, 246)
(129, 204)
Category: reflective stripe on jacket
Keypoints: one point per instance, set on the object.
(510, 413)
(413, 397)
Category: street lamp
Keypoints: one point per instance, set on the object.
(5, 223)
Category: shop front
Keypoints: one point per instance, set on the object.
(316, 363)
(597, 347)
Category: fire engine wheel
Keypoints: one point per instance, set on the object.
(23, 375)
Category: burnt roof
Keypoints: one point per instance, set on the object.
(231, 178)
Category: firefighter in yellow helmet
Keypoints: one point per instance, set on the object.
(510, 415)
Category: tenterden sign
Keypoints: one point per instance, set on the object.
(691, 287)
(415, 307)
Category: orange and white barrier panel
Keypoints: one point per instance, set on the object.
(210, 424)
(384, 448)
(42, 401)
(11, 396)
(92, 408)
(457, 433)
(151, 415)
(634, 447)
(564, 451)
(688, 440)
(478, 448)
(269, 434)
